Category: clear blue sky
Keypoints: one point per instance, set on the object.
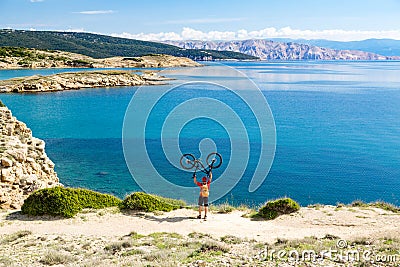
(289, 18)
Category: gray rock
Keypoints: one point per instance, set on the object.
(25, 166)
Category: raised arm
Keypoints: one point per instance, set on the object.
(194, 178)
(210, 174)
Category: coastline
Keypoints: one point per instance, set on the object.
(79, 80)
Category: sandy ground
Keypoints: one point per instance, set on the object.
(343, 222)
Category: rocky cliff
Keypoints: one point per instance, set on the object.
(24, 165)
(78, 80)
(270, 50)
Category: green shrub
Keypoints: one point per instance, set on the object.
(2, 104)
(358, 203)
(386, 206)
(15, 52)
(273, 209)
(211, 245)
(66, 202)
(377, 204)
(117, 246)
(78, 62)
(146, 202)
(230, 239)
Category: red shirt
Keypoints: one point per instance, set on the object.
(201, 184)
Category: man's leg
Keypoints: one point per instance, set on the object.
(205, 206)
(200, 204)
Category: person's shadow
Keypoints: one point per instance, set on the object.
(169, 219)
(18, 216)
(154, 218)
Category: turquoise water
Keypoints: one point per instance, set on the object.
(337, 126)
(8, 74)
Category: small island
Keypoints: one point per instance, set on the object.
(79, 80)
(20, 58)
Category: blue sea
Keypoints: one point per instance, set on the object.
(337, 132)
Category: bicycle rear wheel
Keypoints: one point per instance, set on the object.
(214, 159)
(187, 161)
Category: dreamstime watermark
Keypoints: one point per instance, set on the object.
(342, 253)
(158, 117)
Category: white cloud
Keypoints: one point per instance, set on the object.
(36, 1)
(74, 30)
(95, 12)
(271, 32)
(149, 36)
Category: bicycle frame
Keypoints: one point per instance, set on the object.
(200, 166)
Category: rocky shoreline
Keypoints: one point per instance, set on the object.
(25, 166)
(79, 80)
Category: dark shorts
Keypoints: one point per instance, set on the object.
(203, 201)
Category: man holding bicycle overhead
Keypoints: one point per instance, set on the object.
(213, 160)
(204, 192)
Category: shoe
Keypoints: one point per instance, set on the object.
(199, 217)
(205, 217)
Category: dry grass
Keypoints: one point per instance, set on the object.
(170, 249)
(15, 236)
(53, 257)
(230, 239)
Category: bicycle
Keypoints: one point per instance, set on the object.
(213, 160)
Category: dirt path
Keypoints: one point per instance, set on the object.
(344, 223)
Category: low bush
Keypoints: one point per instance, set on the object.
(66, 202)
(118, 246)
(15, 236)
(358, 203)
(230, 239)
(223, 208)
(377, 204)
(273, 209)
(211, 245)
(140, 201)
(2, 104)
(54, 257)
(386, 206)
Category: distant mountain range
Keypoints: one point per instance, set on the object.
(273, 50)
(102, 46)
(385, 47)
